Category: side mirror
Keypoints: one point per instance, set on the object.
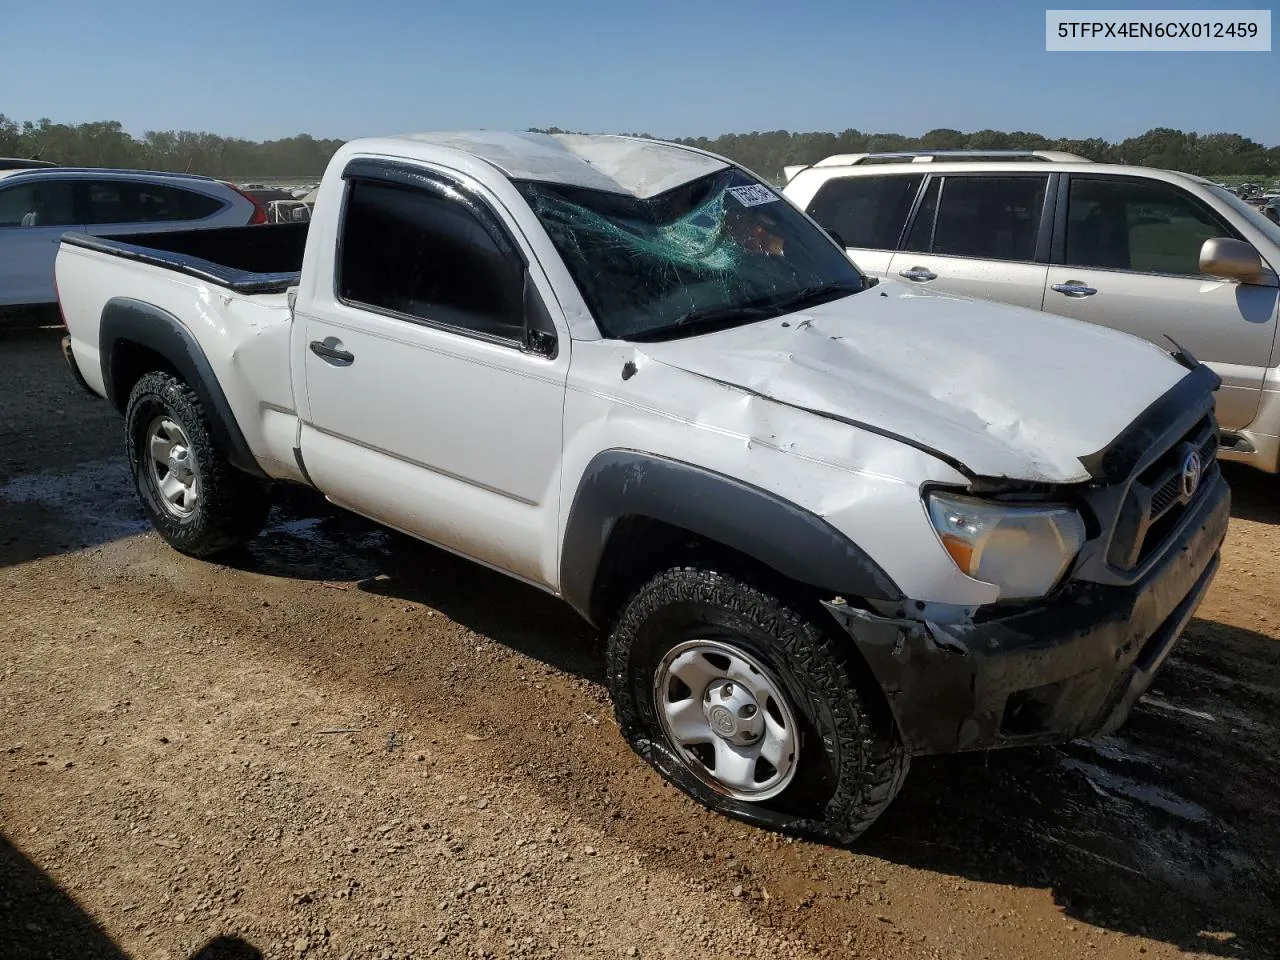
(1229, 259)
(837, 238)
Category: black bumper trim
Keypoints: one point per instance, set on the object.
(1070, 667)
(70, 357)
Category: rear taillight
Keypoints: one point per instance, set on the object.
(259, 214)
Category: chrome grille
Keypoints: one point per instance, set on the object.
(1155, 501)
(1169, 492)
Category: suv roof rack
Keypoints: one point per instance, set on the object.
(932, 156)
(23, 163)
(929, 156)
(112, 172)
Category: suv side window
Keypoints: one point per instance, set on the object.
(867, 212)
(44, 204)
(1147, 227)
(417, 254)
(920, 238)
(989, 218)
(137, 201)
(195, 206)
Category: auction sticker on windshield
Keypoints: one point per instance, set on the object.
(753, 195)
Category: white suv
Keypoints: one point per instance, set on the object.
(1159, 254)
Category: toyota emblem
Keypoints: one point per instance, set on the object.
(1191, 470)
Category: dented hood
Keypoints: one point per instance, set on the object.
(1001, 391)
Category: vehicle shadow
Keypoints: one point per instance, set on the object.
(43, 921)
(1254, 495)
(308, 539)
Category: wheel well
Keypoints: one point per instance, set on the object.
(640, 547)
(131, 361)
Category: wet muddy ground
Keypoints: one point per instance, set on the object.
(348, 744)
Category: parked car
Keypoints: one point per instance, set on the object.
(828, 523)
(1150, 252)
(38, 205)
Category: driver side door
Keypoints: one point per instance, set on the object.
(434, 372)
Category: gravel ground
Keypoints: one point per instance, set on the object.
(348, 744)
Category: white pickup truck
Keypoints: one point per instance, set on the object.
(826, 522)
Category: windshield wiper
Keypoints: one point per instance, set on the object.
(724, 316)
(704, 318)
(814, 295)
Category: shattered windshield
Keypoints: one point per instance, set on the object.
(720, 250)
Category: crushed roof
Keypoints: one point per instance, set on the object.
(642, 168)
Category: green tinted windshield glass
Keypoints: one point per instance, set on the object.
(712, 246)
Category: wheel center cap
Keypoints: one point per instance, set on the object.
(722, 721)
(732, 712)
(178, 461)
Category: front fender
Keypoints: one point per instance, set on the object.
(789, 539)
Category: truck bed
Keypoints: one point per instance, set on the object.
(256, 259)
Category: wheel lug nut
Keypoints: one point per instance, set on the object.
(726, 691)
(747, 711)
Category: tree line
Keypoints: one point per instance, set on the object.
(107, 144)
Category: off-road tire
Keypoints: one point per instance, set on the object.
(232, 506)
(852, 763)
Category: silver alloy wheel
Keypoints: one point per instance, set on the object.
(727, 717)
(173, 467)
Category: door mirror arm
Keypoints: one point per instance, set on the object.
(539, 331)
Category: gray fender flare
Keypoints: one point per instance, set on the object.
(125, 321)
(796, 543)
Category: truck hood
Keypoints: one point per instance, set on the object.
(1000, 391)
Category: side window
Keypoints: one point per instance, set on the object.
(415, 253)
(1147, 227)
(130, 201)
(991, 218)
(195, 206)
(920, 238)
(866, 211)
(44, 204)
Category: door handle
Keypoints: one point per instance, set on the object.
(1074, 288)
(918, 275)
(330, 351)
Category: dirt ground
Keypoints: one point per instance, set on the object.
(348, 744)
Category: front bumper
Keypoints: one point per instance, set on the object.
(1073, 666)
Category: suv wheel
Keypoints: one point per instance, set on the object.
(195, 499)
(746, 704)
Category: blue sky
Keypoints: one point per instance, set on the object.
(267, 69)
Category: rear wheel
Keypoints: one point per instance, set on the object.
(747, 704)
(195, 499)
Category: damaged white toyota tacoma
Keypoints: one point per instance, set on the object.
(827, 523)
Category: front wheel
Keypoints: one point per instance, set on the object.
(747, 704)
(196, 500)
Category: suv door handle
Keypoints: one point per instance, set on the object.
(1074, 288)
(330, 351)
(918, 275)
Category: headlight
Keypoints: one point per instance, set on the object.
(1023, 550)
